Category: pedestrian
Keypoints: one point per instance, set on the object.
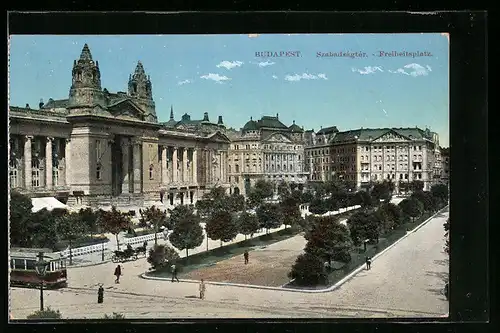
(118, 273)
(368, 263)
(245, 255)
(174, 273)
(100, 294)
(202, 289)
(145, 244)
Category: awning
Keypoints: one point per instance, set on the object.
(49, 203)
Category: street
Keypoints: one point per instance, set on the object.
(406, 281)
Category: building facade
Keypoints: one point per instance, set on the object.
(319, 163)
(266, 149)
(445, 165)
(98, 148)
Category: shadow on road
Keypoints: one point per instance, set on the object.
(441, 275)
(439, 292)
(443, 262)
(191, 296)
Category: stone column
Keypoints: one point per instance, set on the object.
(48, 162)
(195, 166)
(164, 173)
(125, 165)
(27, 161)
(174, 165)
(137, 147)
(67, 162)
(184, 165)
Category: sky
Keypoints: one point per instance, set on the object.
(317, 80)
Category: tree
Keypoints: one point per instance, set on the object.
(159, 255)
(393, 212)
(46, 313)
(308, 270)
(269, 216)
(261, 190)
(187, 233)
(412, 207)
(221, 226)
(329, 239)
(382, 191)
(89, 219)
(114, 222)
(70, 227)
(283, 190)
(364, 199)
(212, 201)
(248, 224)
(363, 226)
(21, 223)
(155, 216)
(235, 203)
(426, 198)
(416, 185)
(306, 197)
(43, 229)
(318, 206)
(290, 211)
(440, 191)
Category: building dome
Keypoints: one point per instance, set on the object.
(295, 128)
(251, 125)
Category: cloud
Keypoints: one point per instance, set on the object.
(215, 77)
(265, 63)
(304, 76)
(413, 70)
(368, 70)
(253, 35)
(229, 64)
(275, 77)
(180, 83)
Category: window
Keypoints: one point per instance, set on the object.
(237, 179)
(35, 172)
(98, 173)
(55, 175)
(406, 176)
(237, 168)
(13, 173)
(151, 172)
(98, 149)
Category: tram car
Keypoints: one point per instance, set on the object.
(23, 271)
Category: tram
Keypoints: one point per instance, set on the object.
(23, 272)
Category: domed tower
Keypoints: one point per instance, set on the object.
(297, 132)
(251, 128)
(86, 89)
(140, 88)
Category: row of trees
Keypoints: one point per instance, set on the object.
(328, 240)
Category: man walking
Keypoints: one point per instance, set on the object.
(245, 255)
(118, 273)
(202, 289)
(174, 273)
(368, 263)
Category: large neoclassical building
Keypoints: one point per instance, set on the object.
(100, 148)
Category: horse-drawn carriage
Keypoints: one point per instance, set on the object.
(129, 254)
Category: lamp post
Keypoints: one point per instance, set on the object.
(206, 234)
(41, 270)
(102, 252)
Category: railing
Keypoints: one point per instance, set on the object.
(142, 239)
(80, 251)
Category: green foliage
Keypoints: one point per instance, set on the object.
(44, 230)
(114, 222)
(426, 198)
(412, 207)
(382, 191)
(416, 186)
(261, 191)
(21, 223)
(160, 255)
(221, 226)
(318, 206)
(187, 233)
(115, 315)
(270, 216)
(363, 198)
(393, 212)
(308, 270)
(248, 224)
(70, 227)
(290, 210)
(213, 201)
(154, 216)
(89, 219)
(328, 239)
(47, 313)
(363, 226)
(235, 202)
(440, 191)
(306, 197)
(284, 190)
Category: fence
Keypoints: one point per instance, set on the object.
(142, 239)
(305, 211)
(80, 251)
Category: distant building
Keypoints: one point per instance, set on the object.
(445, 160)
(266, 149)
(319, 163)
(99, 148)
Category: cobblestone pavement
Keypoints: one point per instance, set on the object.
(403, 282)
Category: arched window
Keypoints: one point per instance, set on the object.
(237, 168)
(229, 168)
(98, 171)
(151, 172)
(35, 172)
(13, 173)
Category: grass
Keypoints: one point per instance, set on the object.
(358, 255)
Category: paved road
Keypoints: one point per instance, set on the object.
(403, 282)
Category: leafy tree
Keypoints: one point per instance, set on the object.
(318, 206)
(382, 219)
(70, 227)
(329, 239)
(363, 226)
(44, 229)
(115, 315)
(248, 224)
(187, 233)
(416, 185)
(21, 227)
(212, 201)
(159, 255)
(426, 198)
(308, 270)
(364, 199)
(412, 207)
(440, 191)
(235, 202)
(404, 186)
(290, 211)
(177, 214)
(221, 226)
(270, 216)
(155, 216)
(393, 212)
(114, 222)
(283, 190)
(307, 197)
(46, 313)
(261, 191)
(382, 191)
(89, 219)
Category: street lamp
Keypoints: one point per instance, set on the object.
(206, 234)
(41, 271)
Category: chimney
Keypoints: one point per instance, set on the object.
(220, 122)
(27, 106)
(277, 116)
(40, 105)
(205, 116)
